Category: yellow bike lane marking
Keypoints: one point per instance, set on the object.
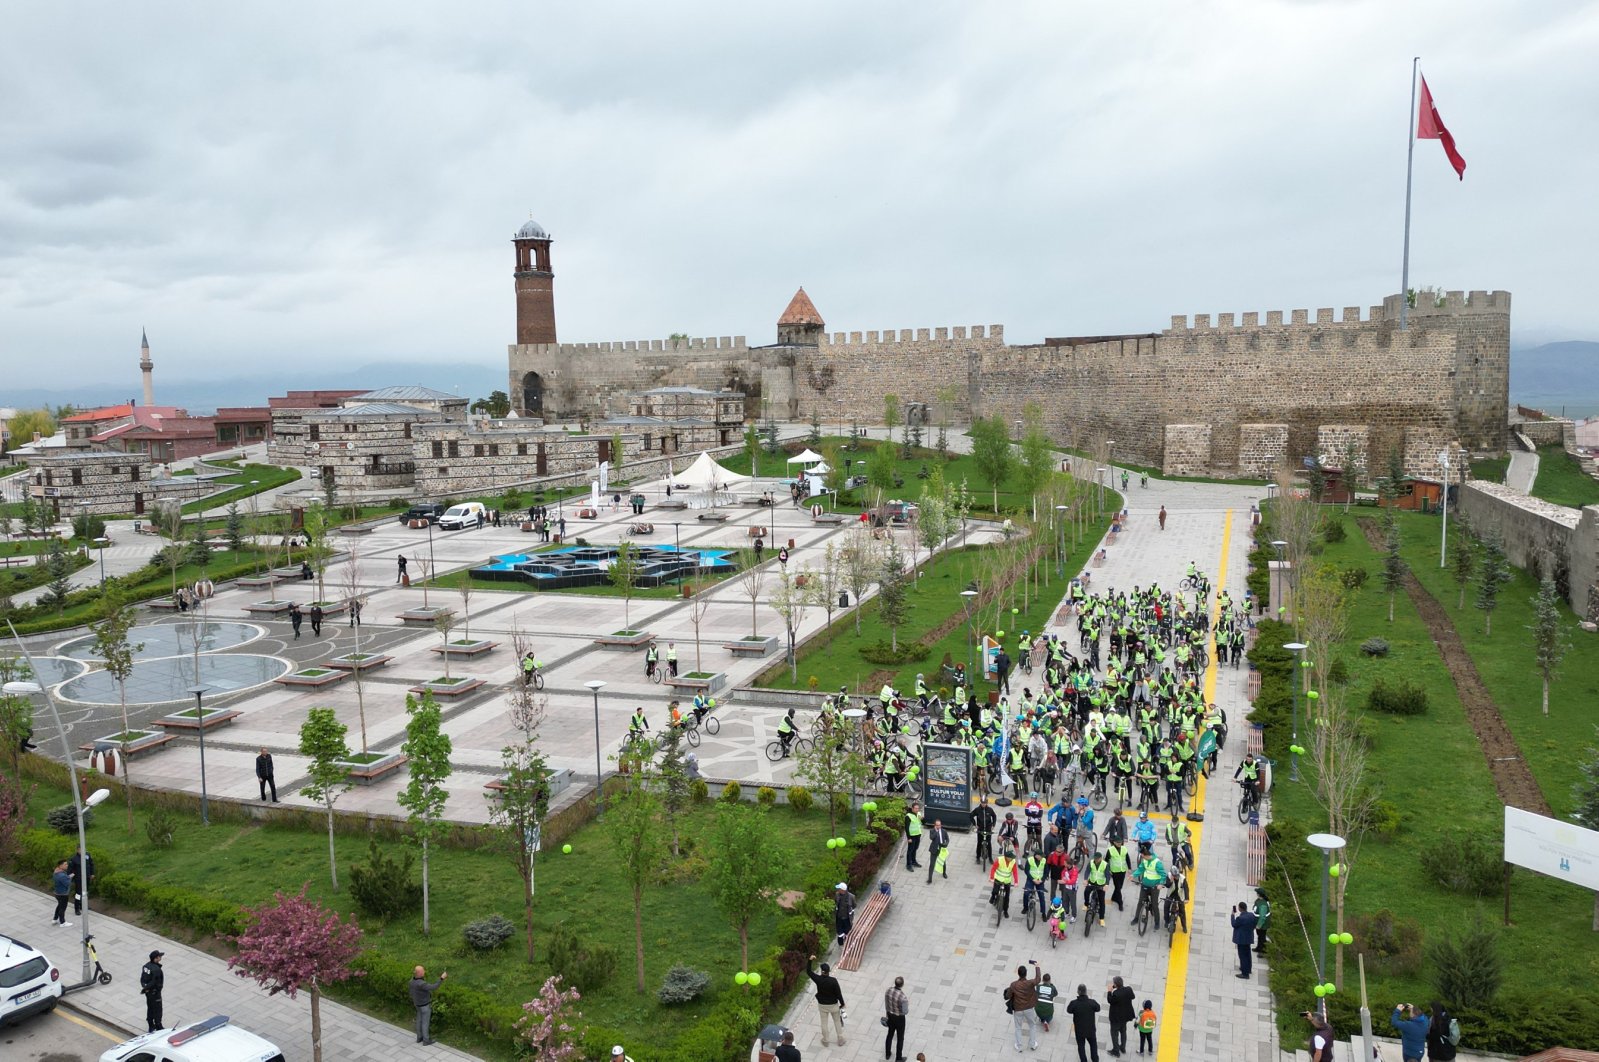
(1171, 1015)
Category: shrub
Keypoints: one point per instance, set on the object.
(1466, 863)
(885, 654)
(1353, 578)
(1467, 968)
(732, 793)
(766, 796)
(64, 819)
(683, 985)
(1384, 819)
(1374, 647)
(839, 802)
(383, 887)
(698, 791)
(799, 798)
(1338, 674)
(1391, 943)
(585, 966)
(160, 828)
(1333, 530)
(1402, 698)
(486, 934)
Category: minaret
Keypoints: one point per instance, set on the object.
(145, 367)
(535, 285)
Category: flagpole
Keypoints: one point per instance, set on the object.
(1410, 159)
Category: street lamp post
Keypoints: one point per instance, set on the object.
(1297, 648)
(255, 523)
(854, 715)
(1328, 843)
(1443, 503)
(677, 555)
(594, 687)
(1060, 553)
(101, 543)
(79, 805)
(199, 724)
(967, 596)
(1279, 545)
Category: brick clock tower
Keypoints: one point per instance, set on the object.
(535, 285)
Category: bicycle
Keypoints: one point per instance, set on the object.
(1145, 910)
(1097, 796)
(535, 677)
(656, 674)
(1190, 778)
(1030, 910)
(1093, 908)
(1248, 801)
(994, 899)
(800, 745)
(1169, 913)
(985, 847)
(1124, 792)
(1085, 849)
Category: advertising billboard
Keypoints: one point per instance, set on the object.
(1558, 849)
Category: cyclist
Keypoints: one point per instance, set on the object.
(1150, 876)
(786, 729)
(703, 705)
(671, 660)
(530, 668)
(1174, 785)
(1005, 873)
(674, 712)
(1144, 830)
(1035, 819)
(1248, 776)
(1098, 874)
(1064, 816)
(1008, 830)
(886, 696)
(984, 818)
(1037, 868)
(922, 691)
(1148, 783)
(1177, 899)
(651, 656)
(1085, 817)
(638, 724)
(1177, 839)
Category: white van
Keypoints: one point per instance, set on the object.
(467, 514)
(211, 1040)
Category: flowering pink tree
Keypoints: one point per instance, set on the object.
(546, 1026)
(296, 943)
(13, 812)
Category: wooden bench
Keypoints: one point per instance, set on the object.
(376, 772)
(1252, 687)
(1255, 862)
(860, 933)
(1256, 739)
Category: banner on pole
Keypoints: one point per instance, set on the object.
(1557, 849)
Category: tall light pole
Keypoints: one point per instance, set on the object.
(255, 522)
(101, 543)
(1328, 843)
(677, 548)
(1060, 553)
(199, 722)
(853, 717)
(1443, 503)
(1279, 545)
(594, 687)
(1099, 477)
(30, 689)
(967, 596)
(1296, 648)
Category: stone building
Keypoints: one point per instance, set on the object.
(486, 456)
(671, 420)
(299, 429)
(367, 449)
(105, 484)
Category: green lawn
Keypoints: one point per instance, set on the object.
(1433, 770)
(266, 476)
(243, 864)
(1562, 481)
(1491, 469)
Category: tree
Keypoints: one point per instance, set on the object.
(1338, 760)
(516, 817)
(1462, 562)
(16, 710)
(1037, 459)
(200, 547)
(234, 528)
(352, 601)
(548, 1028)
(1549, 639)
(29, 422)
(168, 521)
(791, 601)
(752, 449)
(834, 478)
(1493, 572)
(617, 457)
(672, 772)
(830, 580)
(1393, 562)
(932, 515)
(444, 622)
(751, 581)
(1392, 483)
(427, 750)
(944, 406)
(633, 822)
(318, 530)
(880, 469)
(465, 588)
(833, 766)
(58, 574)
(497, 405)
(322, 740)
(769, 432)
(86, 527)
(1321, 616)
(862, 565)
(624, 573)
(743, 874)
(815, 436)
(991, 452)
(1354, 471)
(296, 943)
(891, 417)
(893, 603)
(111, 646)
(698, 605)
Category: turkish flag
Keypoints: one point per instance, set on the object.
(1431, 127)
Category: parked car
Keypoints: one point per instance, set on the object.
(29, 983)
(211, 1040)
(467, 514)
(429, 511)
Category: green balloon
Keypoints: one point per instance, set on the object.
(1015, 611)
(742, 978)
(870, 805)
(1333, 871)
(566, 849)
(1312, 694)
(1320, 990)
(841, 842)
(999, 634)
(832, 842)
(1304, 663)
(1332, 938)
(1330, 988)
(755, 979)
(1346, 938)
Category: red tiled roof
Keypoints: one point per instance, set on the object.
(801, 311)
(91, 415)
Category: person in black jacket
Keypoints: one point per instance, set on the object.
(1439, 1049)
(151, 979)
(264, 774)
(1120, 998)
(1244, 922)
(829, 999)
(1082, 1009)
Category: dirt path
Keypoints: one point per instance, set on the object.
(1512, 777)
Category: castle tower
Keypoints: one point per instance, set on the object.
(801, 325)
(146, 366)
(535, 285)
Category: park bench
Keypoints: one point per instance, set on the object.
(861, 932)
(377, 771)
(1252, 686)
(137, 748)
(1256, 739)
(1255, 860)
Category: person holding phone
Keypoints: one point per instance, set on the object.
(1023, 1000)
(1412, 1026)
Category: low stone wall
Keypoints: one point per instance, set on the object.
(1542, 538)
(1555, 431)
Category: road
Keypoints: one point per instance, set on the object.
(62, 1035)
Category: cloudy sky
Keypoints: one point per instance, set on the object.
(277, 190)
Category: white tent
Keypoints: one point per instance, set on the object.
(819, 470)
(711, 480)
(805, 457)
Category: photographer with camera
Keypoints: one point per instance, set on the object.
(1412, 1025)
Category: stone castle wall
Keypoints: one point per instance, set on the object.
(1542, 538)
(593, 379)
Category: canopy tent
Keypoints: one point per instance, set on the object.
(805, 457)
(713, 482)
(819, 470)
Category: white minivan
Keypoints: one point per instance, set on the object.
(29, 983)
(467, 514)
(211, 1040)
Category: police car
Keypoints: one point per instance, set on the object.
(29, 983)
(211, 1040)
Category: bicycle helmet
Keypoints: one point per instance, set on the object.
(1143, 816)
(1082, 801)
(1010, 815)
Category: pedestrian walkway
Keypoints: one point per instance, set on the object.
(941, 937)
(198, 986)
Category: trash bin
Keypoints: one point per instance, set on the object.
(843, 599)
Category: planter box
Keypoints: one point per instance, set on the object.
(623, 641)
(454, 688)
(256, 582)
(145, 741)
(558, 780)
(267, 607)
(367, 662)
(313, 677)
(365, 772)
(756, 646)
(162, 604)
(291, 575)
(357, 529)
(421, 617)
(711, 683)
(191, 720)
(471, 648)
(329, 608)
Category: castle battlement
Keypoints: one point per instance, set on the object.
(1450, 303)
(642, 346)
(913, 335)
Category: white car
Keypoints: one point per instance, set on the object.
(29, 983)
(211, 1040)
(467, 514)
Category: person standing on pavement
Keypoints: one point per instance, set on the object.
(786, 1051)
(1121, 1013)
(1321, 1037)
(294, 618)
(829, 1000)
(265, 775)
(1082, 1009)
(400, 575)
(1412, 1025)
(316, 619)
(1162, 517)
(151, 980)
(422, 1000)
(1262, 920)
(1002, 663)
(355, 612)
(1116, 856)
(1442, 1034)
(913, 834)
(61, 885)
(1244, 922)
(937, 847)
(896, 1005)
(76, 870)
(843, 911)
(1023, 995)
